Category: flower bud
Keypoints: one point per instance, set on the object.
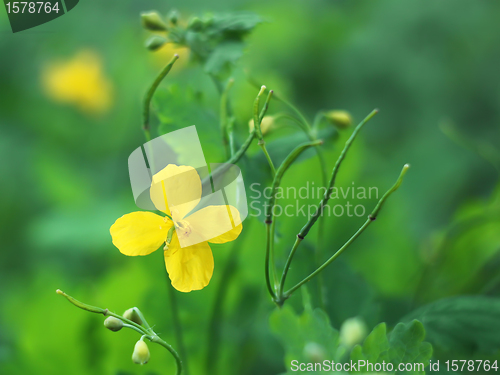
(131, 314)
(113, 324)
(266, 125)
(341, 119)
(195, 24)
(155, 42)
(140, 355)
(173, 16)
(314, 352)
(153, 21)
(352, 331)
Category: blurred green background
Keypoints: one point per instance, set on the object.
(70, 114)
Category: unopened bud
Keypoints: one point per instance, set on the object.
(314, 352)
(113, 324)
(195, 24)
(266, 125)
(140, 355)
(173, 16)
(352, 331)
(153, 21)
(131, 314)
(341, 119)
(155, 42)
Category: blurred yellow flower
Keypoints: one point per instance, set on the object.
(79, 81)
(141, 233)
(164, 54)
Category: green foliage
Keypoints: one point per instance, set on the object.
(307, 338)
(403, 345)
(465, 325)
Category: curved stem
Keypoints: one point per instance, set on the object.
(371, 218)
(153, 337)
(172, 351)
(270, 209)
(149, 96)
(305, 230)
(257, 119)
(177, 325)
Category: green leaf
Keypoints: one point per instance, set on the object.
(307, 338)
(403, 345)
(234, 25)
(462, 324)
(223, 57)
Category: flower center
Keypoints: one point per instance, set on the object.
(183, 229)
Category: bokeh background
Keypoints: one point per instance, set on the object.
(70, 114)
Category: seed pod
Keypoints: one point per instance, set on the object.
(131, 314)
(152, 21)
(140, 355)
(113, 324)
(341, 119)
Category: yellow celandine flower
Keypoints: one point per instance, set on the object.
(79, 81)
(141, 233)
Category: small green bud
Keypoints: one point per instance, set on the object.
(314, 352)
(152, 21)
(267, 124)
(173, 16)
(353, 331)
(195, 24)
(341, 119)
(155, 42)
(140, 355)
(113, 324)
(131, 314)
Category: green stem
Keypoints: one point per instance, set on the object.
(257, 119)
(177, 325)
(271, 203)
(223, 116)
(305, 230)
(217, 315)
(172, 351)
(149, 96)
(150, 334)
(371, 218)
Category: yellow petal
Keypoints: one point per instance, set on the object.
(228, 236)
(139, 233)
(213, 224)
(176, 190)
(189, 268)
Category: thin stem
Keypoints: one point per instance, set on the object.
(172, 351)
(305, 230)
(226, 134)
(233, 160)
(149, 96)
(371, 218)
(177, 325)
(270, 208)
(153, 337)
(217, 315)
(257, 119)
